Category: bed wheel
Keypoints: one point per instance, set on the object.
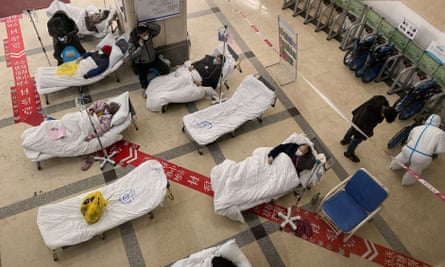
(151, 215)
(164, 109)
(39, 167)
(183, 129)
(54, 255)
(200, 152)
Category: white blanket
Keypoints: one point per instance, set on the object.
(35, 140)
(176, 87)
(47, 81)
(248, 102)
(129, 197)
(229, 250)
(243, 185)
(78, 15)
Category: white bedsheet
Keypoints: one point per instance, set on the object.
(239, 186)
(178, 87)
(243, 185)
(248, 102)
(203, 258)
(35, 140)
(129, 197)
(78, 15)
(47, 81)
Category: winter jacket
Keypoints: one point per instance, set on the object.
(67, 28)
(98, 107)
(305, 162)
(368, 115)
(209, 72)
(146, 53)
(102, 62)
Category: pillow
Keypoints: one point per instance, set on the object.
(116, 55)
(232, 252)
(121, 115)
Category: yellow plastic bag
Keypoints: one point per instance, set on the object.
(92, 207)
(67, 68)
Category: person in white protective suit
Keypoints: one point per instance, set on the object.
(424, 142)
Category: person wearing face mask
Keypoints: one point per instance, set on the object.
(143, 53)
(207, 70)
(101, 59)
(64, 32)
(104, 112)
(300, 154)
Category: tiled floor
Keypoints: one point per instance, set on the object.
(410, 223)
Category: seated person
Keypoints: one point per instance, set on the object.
(301, 155)
(208, 69)
(105, 113)
(101, 58)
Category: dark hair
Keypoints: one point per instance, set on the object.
(113, 107)
(390, 114)
(140, 30)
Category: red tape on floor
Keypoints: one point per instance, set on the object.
(26, 104)
(322, 236)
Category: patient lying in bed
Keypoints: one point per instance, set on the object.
(265, 175)
(104, 111)
(188, 83)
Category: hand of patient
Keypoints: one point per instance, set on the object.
(269, 160)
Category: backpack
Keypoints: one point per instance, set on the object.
(92, 207)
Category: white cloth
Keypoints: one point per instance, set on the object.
(240, 186)
(77, 126)
(243, 185)
(78, 15)
(423, 142)
(248, 102)
(229, 250)
(176, 87)
(129, 197)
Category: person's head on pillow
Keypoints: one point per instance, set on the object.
(112, 108)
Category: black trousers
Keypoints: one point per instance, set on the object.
(59, 46)
(142, 70)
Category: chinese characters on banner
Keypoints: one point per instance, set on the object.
(26, 104)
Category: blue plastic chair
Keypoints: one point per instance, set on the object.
(353, 202)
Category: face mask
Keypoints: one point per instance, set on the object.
(106, 112)
(215, 62)
(100, 52)
(145, 38)
(298, 153)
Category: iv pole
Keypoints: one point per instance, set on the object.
(28, 12)
(105, 158)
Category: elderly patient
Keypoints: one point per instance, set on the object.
(105, 113)
(301, 155)
(207, 71)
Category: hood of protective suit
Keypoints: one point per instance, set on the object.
(433, 120)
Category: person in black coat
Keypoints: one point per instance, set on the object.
(64, 31)
(209, 68)
(366, 117)
(301, 155)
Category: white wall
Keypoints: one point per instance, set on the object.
(394, 11)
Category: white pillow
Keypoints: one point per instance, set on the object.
(115, 55)
(124, 108)
(232, 252)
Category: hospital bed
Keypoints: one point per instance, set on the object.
(80, 17)
(47, 80)
(246, 184)
(228, 250)
(38, 145)
(178, 86)
(249, 101)
(138, 193)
